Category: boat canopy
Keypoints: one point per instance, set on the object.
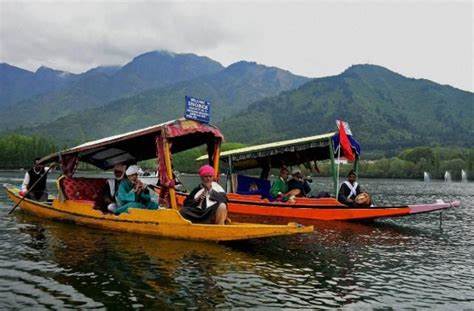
(140, 144)
(287, 152)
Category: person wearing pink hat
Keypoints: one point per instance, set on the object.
(207, 203)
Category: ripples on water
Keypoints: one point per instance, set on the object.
(401, 263)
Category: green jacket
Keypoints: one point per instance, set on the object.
(279, 186)
(126, 195)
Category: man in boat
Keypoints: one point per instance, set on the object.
(108, 202)
(132, 193)
(207, 203)
(279, 190)
(37, 174)
(297, 182)
(349, 190)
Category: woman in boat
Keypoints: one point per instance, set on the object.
(279, 190)
(349, 190)
(207, 203)
(132, 193)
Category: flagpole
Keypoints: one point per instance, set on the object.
(337, 174)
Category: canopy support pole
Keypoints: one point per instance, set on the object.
(169, 172)
(338, 168)
(333, 166)
(216, 158)
(229, 183)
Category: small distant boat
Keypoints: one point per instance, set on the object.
(76, 199)
(297, 152)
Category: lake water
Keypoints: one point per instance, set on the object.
(402, 263)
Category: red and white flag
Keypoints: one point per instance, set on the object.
(344, 142)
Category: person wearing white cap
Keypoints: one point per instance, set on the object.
(132, 170)
(132, 193)
(297, 182)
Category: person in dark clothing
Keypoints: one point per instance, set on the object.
(298, 182)
(107, 202)
(36, 174)
(349, 190)
(207, 203)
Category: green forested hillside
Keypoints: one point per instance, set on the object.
(229, 91)
(387, 112)
(17, 151)
(413, 162)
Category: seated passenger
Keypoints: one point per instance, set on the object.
(207, 203)
(298, 182)
(107, 202)
(132, 193)
(279, 190)
(349, 190)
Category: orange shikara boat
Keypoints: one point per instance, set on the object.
(245, 204)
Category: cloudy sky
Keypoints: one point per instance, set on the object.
(421, 39)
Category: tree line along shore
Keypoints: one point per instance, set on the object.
(18, 151)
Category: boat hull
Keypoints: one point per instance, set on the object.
(242, 207)
(163, 222)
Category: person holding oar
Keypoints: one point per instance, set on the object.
(34, 183)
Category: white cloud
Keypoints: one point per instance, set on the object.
(432, 40)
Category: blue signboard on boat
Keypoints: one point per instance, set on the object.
(197, 109)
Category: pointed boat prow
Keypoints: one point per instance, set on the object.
(426, 208)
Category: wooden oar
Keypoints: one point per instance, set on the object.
(32, 187)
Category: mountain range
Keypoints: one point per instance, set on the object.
(251, 103)
(386, 111)
(17, 84)
(62, 93)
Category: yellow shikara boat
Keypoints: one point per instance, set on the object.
(77, 196)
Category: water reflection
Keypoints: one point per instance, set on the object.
(161, 271)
